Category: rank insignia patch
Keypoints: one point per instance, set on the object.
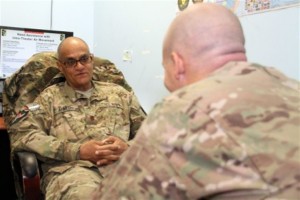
(22, 113)
(197, 1)
(182, 4)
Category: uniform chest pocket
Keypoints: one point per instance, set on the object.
(69, 120)
(111, 115)
(109, 110)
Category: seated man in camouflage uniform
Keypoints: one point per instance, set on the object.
(77, 127)
(229, 130)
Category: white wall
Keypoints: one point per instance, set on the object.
(0, 10)
(112, 26)
(29, 14)
(272, 38)
(137, 26)
(76, 16)
(64, 15)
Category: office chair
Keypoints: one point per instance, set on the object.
(22, 87)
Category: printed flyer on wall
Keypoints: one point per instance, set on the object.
(18, 45)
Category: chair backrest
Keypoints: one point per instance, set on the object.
(41, 71)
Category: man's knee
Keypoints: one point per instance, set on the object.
(75, 183)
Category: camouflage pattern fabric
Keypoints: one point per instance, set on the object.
(70, 119)
(234, 135)
(84, 182)
(25, 84)
(41, 71)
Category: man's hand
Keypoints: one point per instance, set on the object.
(116, 146)
(103, 152)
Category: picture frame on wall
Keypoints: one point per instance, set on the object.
(18, 44)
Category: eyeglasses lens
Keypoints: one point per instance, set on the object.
(70, 63)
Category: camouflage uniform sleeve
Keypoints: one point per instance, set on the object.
(30, 132)
(167, 162)
(229, 142)
(146, 167)
(137, 116)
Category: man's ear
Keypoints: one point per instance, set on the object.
(59, 65)
(179, 69)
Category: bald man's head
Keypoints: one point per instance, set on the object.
(76, 63)
(70, 42)
(203, 27)
(204, 37)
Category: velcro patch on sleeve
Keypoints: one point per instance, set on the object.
(22, 113)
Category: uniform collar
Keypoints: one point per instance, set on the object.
(73, 95)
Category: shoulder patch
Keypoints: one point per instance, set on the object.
(21, 114)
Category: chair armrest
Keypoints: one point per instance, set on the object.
(28, 172)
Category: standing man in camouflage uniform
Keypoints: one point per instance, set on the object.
(77, 128)
(229, 130)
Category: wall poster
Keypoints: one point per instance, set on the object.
(19, 44)
(244, 7)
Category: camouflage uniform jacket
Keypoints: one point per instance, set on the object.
(60, 120)
(233, 135)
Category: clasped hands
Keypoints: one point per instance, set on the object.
(103, 152)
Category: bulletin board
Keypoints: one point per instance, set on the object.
(18, 44)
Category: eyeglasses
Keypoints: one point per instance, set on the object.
(84, 60)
